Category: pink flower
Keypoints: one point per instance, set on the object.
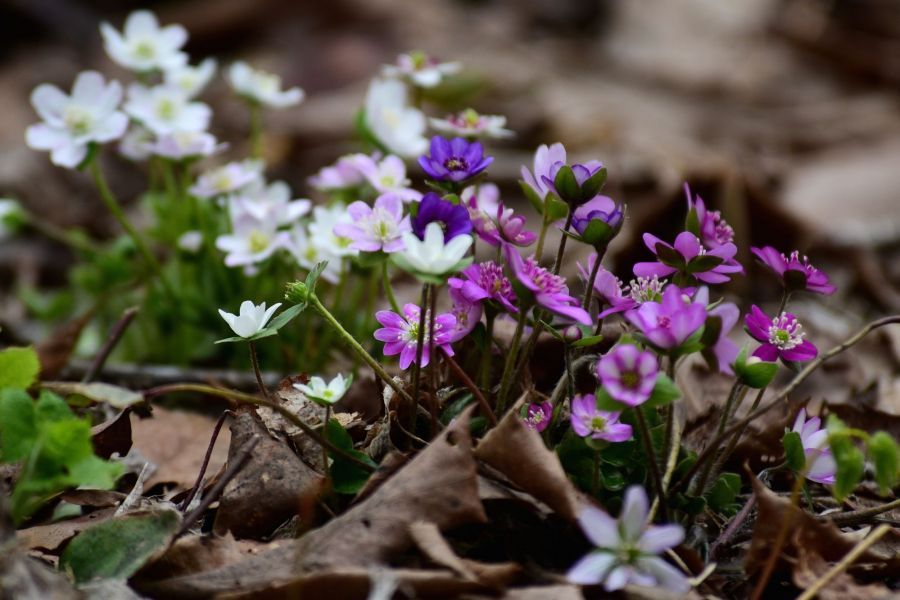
(608, 288)
(795, 271)
(627, 374)
(538, 416)
(722, 352)
(588, 420)
(485, 282)
(548, 290)
(820, 462)
(669, 323)
(376, 228)
(400, 334)
(466, 312)
(689, 261)
(493, 222)
(711, 227)
(781, 337)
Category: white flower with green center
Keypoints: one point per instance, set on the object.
(228, 178)
(325, 394)
(432, 256)
(143, 45)
(398, 126)
(260, 87)
(321, 229)
(191, 80)
(251, 318)
(420, 69)
(252, 241)
(470, 124)
(269, 202)
(308, 253)
(186, 144)
(165, 109)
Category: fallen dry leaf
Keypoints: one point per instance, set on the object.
(113, 436)
(51, 536)
(198, 553)
(810, 567)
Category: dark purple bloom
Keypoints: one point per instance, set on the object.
(588, 420)
(485, 281)
(598, 221)
(781, 337)
(795, 271)
(669, 323)
(548, 290)
(493, 222)
(453, 218)
(608, 288)
(628, 374)
(548, 162)
(400, 334)
(454, 160)
(709, 226)
(689, 261)
(538, 416)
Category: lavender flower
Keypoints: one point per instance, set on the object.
(795, 271)
(538, 416)
(588, 420)
(342, 174)
(485, 281)
(454, 160)
(547, 161)
(720, 352)
(598, 221)
(400, 334)
(708, 225)
(493, 222)
(470, 124)
(453, 218)
(546, 289)
(821, 465)
(608, 288)
(628, 548)
(628, 374)
(376, 228)
(689, 261)
(466, 312)
(668, 324)
(781, 337)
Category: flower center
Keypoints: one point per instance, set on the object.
(630, 379)
(544, 279)
(166, 109)
(785, 333)
(145, 49)
(455, 163)
(259, 241)
(77, 120)
(598, 423)
(646, 289)
(388, 181)
(222, 182)
(663, 321)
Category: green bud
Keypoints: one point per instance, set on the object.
(754, 372)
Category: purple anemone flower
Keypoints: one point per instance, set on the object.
(588, 420)
(720, 353)
(374, 228)
(607, 288)
(493, 222)
(712, 229)
(547, 162)
(781, 337)
(485, 281)
(822, 467)
(400, 334)
(466, 312)
(628, 374)
(548, 290)
(454, 160)
(668, 324)
(453, 218)
(538, 416)
(795, 271)
(689, 260)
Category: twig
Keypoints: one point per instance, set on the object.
(467, 381)
(858, 516)
(212, 442)
(112, 340)
(151, 375)
(733, 526)
(878, 533)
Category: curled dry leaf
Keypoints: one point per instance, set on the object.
(811, 567)
(113, 436)
(196, 553)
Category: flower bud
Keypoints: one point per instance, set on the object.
(297, 292)
(753, 371)
(572, 334)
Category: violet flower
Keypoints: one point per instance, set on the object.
(821, 466)
(485, 282)
(588, 420)
(628, 548)
(378, 227)
(720, 352)
(668, 324)
(466, 312)
(493, 222)
(578, 183)
(689, 261)
(781, 337)
(708, 225)
(628, 374)
(795, 271)
(538, 416)
(546, 289)
(454, 160)
(400, 334)
(453, 218)
(546, 159)
(598, 225)
(607, 288)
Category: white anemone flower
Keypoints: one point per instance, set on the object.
(191, 241)
(251, 241)
(262, 87)
(399, 127)
(166, 109)
(308, 253)
(321, 229)
(138, 143)
(387, 175)
(191, 80)
(420, 69)
(227, 178)
(252, 318)
(431, 256)
(270, 202)
(143, 45)
(470, 124)
(186, 144)
(321, 393)
(71, 122)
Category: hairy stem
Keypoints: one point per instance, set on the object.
(256, 370)
(506, 380)
(562, 243)
(651, 458)
(467, 381)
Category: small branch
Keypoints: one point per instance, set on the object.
(858, 516)
(857, 551)
(115, 334)
(733, 527)
(212, 442)
(467, 381)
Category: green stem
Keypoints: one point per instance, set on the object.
(589, 289)
(388, 289)
(595, 476)
(420, 351)
(737, 390)
(647, 441)
(539, 249)
(562, 243)
(785, 297)
(506, 379)
(256, 370)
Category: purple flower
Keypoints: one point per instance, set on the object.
(608, 288)
(795, 271)
(598, 221)
(628, 374)
(466, 312)
(669, 323)
(709, 226)
(576, 184)
(588, 420)
(781, 337)
(547, 161)
(628, 548)
(538, 416)
(400, 334)
(689, 261)
(453, 218)
(547, 290)
(485, 281)
(376, 228)
(493, 222)
(820, 462)
(720, 352)
(454, 160)
(342, 174)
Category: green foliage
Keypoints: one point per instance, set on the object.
(722, 495)
(19, 367)
(885, 455)
(754, 374)
(347, 477)
(849, 458)
(793, 451)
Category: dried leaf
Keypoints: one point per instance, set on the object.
(113, 436)
(811, 566)
(51, 536)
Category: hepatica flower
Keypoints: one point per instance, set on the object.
(607, 288)
(387, 175)
(227, 178)
(538, 416)
(454, 160)
(720, 352)
(589, 421)
(269, 203)
(821, 465)
(628, 548)
(781, 337)
(397, 126)
(689, 261)
(310, 251)
(344, 173)
(466, 312)
(260, 87)
(163, 109)
(325, 393)
(453, 218)
(420, 69)
(470, 124)
(143, 45)
(322, 230)
(251, 319)
(492, 221)
(546, 289)
(400, 334)
(378, 227)
(72, 122)
(431, 256)
(598, 221)
(669, 323)
(485, 282)
(708, 225)
(186, 144)
(251, 241)
(547, 161)
(191, 80)
(628, 374)
(795, 271)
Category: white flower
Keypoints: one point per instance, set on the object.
(420, 69)
(137, 144)
(262, 87)
(71, 122)
(186, 144)
(251, 241)
(251, 320)
(470, 124)
(387, 175)
(322, 393)
(9, 210)
(143, 45)
(191, 241)
(309, 253)
(270, 203)
(399, 127)
(165, 109)
(321, 229)
(227, 178)
(191, 80)
(431, 256)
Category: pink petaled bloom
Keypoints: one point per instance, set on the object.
(538, 416)
(689, 260)
(588, 420)
(821, 466)
(723, 349)
(493, 222)
(795, 271)
(485, 281)
(466, 312)
(386, 176)
(628, 374)
(608, 288)
(627, 548)
(374, 228)
(342, 174)
(781, 337)
(669, 323)
(400, 334)
(714, 231)
(550, 291)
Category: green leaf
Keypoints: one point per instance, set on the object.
(594, 184)
(262, 333)
(793, 451)
(285, 317)
(608, 403)
(533, 197)
(19, 367)
(664, 392)
(118, 548)
(555, 208)
(50, 408)
(18, 426)
(456, 407)
(885, 456)
(100, 393)
(587, 342)
(752, 372)
(724, 491)
(850, 459)
(703, 263)
(347, 477)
